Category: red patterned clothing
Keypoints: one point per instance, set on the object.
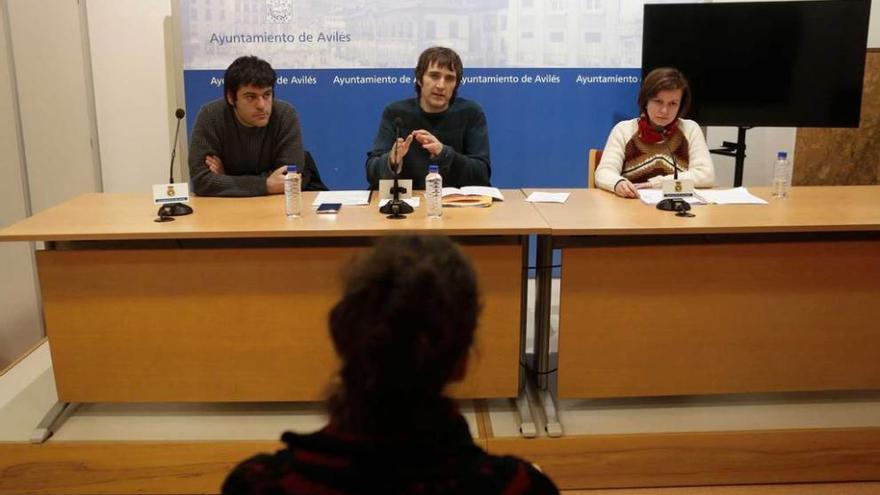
(640, 154)
(440, 457)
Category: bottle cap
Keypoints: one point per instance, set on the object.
(433, 169)
(291, 168)
(782, 155)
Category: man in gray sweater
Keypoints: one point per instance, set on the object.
(242, 143)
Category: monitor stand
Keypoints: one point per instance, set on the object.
(736, 150)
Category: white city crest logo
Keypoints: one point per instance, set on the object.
(278, 11)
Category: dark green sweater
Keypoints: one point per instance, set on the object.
(462, 129)
(249, 154)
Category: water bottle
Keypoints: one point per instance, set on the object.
(781, 176)
(292, 192)
(434, 192)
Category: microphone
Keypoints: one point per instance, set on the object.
(174, 209)
(179, 114)
(398, 122)
(673, 189)
(396, 208)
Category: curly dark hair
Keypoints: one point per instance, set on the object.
(402, 329)
(247, 70)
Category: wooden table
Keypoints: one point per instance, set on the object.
(231, 303)
(745, 298)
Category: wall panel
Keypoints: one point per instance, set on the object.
(20, 322)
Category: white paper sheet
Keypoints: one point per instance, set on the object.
(547, 197)
(735, 196)
(352, 198)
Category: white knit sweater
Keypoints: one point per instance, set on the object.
(700, 167)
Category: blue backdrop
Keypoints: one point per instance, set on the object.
(540, 132)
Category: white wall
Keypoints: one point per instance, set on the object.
(54, 100)
(49, 127)
(20, 321)
(762, 144)
(135, 98)
(874, 26)
(47, 141)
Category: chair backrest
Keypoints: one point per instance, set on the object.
(594, 157)
(311, 177)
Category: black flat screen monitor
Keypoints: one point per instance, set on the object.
(775, 64)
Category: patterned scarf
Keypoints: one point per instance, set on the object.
(647, 153)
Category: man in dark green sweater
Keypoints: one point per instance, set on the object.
(242, 143)
(435, 128)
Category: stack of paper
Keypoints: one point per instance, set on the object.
(345, 197)
(735, 196)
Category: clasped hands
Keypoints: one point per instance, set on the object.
(401, 147)
(274, 183)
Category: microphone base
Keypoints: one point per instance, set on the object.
(396, 209)
(174, 210)
(673, 204)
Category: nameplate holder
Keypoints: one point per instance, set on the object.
(170, 193)
(681, 188)
(386, 184)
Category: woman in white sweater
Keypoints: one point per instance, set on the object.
(637, 155)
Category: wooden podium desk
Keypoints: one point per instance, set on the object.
(231, 303)
(738, 299)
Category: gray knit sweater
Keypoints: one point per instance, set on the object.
(249, 154)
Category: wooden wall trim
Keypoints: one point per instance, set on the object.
(577, 462)
(702, 458)
(121, 467)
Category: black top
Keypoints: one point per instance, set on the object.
(462, 129)
(440, 457)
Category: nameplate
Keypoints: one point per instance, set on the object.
(170, 193)
(681, 188)
(386, 184)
